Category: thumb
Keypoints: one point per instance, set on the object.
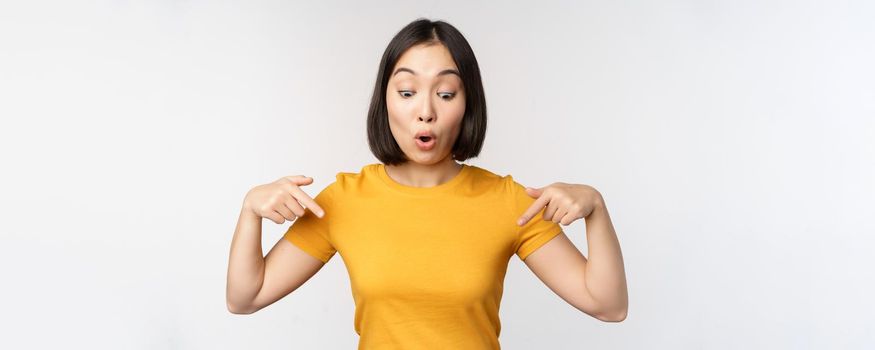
(533, 192)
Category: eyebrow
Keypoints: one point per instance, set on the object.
(443, 72)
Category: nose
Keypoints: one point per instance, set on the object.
(426, 112)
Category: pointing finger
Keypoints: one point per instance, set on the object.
(308, 202)
(536, 206)
(299, 179)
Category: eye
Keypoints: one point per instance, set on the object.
(402, 92)
(446, 95)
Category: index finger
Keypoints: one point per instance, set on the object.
(308, 202)
(536, 207)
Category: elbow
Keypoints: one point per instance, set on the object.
(239, 310)
(617, 316)
(616, 312)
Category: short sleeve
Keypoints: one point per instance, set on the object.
(310, 233)
(537, 231)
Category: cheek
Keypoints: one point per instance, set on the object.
(458, 104)
(391, 105)
(398, 109)
(455, 111)
(393, 125)
(395, 111)
(458, 110)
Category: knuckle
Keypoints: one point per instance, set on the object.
(264, 208)
(297, 211)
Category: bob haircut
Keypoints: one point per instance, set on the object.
(473, 129)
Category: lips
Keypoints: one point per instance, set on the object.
(424, 135)
(425, 140)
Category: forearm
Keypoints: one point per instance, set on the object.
(246, 262)
(605, 275)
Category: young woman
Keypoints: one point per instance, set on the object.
(426, 239)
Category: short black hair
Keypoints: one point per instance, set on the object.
(473, 129)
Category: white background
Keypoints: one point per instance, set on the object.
(732, 140)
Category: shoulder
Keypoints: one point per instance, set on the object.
(487, 178)
(345, 181)
(512, 192)
(503, 189)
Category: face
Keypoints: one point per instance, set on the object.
(425, 95)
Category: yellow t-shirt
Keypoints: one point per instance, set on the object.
(426, 264)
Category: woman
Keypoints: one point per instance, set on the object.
(427, 240)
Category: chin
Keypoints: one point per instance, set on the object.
(427, 159)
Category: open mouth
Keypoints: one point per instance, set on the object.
(425, 142)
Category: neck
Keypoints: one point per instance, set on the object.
(424, 175)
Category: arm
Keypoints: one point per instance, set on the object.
(596, 286)
(255, 281)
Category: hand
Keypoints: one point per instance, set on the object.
(279, 200)
(565, 202)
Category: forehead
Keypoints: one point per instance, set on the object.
(425, 59)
